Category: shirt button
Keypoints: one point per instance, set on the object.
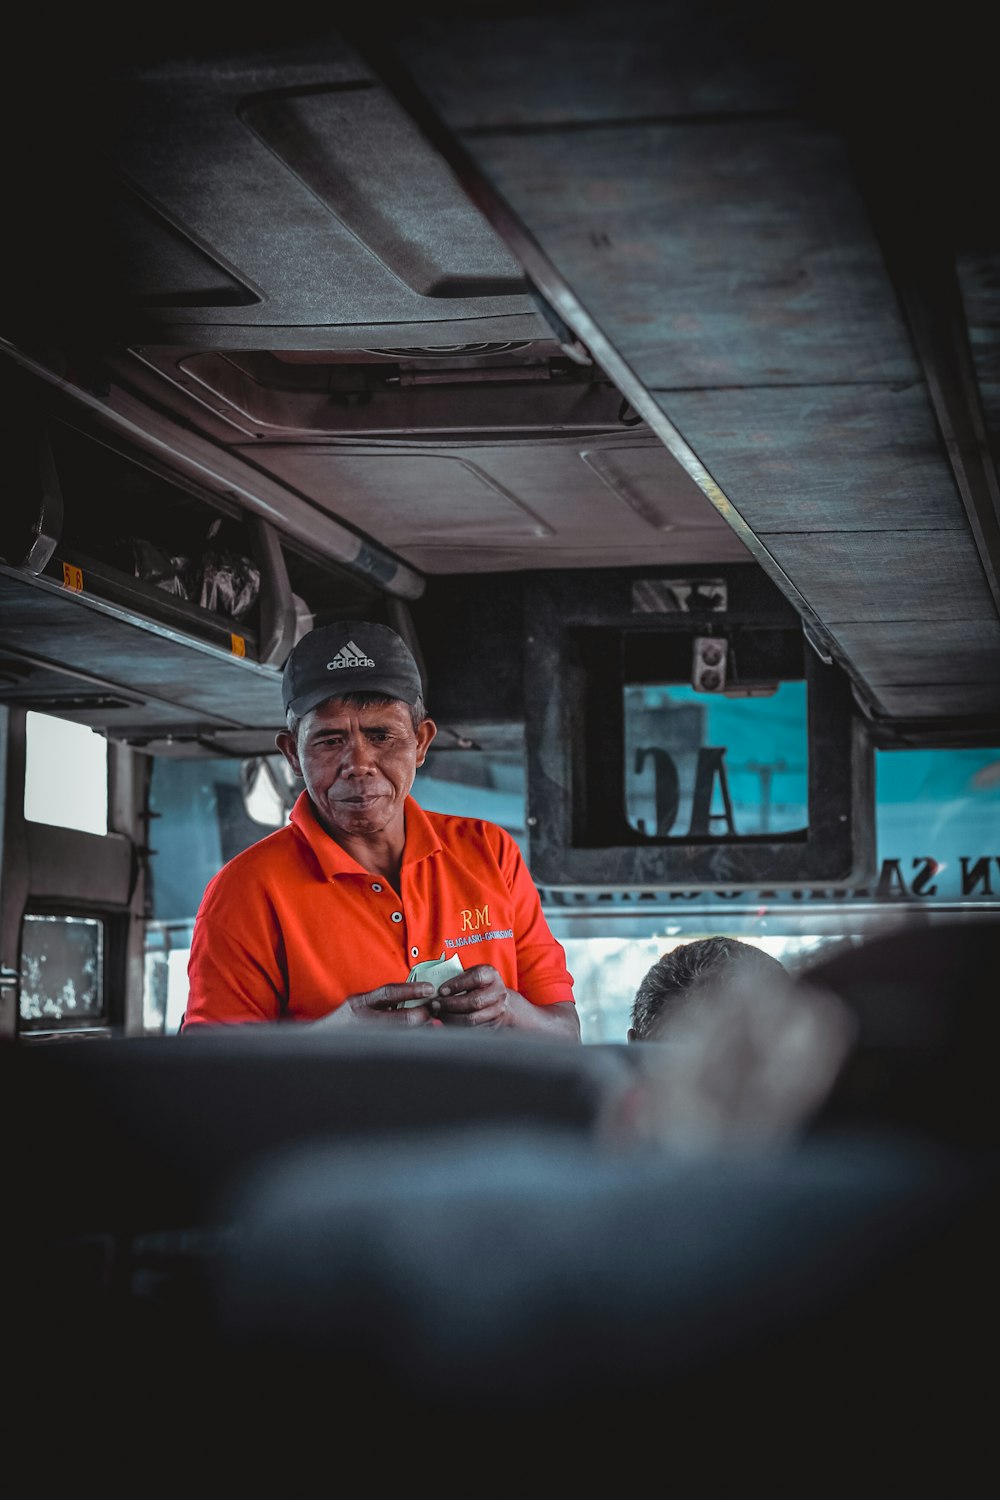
(414, 952)
(376, 886)
(397, 916)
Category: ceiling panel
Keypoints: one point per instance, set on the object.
(891, 576)
(956, 651)
(760, 258)
(747, 258)
(536, 503)
(825, 458)
(711, 254)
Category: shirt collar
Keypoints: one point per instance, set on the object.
(421, 835)
(421, 839)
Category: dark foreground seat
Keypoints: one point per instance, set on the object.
(437, 1263)
(511, 1298)
(926, 1003)
(143, 1135)
(515, 1268)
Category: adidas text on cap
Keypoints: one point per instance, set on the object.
(352, 656)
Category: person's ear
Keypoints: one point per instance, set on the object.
(631, 1034)
(288, 745)
(426, 730)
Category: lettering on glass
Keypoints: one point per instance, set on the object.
(976, 876)
(710, 775)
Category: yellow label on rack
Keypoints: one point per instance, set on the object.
(72, 578)
(239, 645)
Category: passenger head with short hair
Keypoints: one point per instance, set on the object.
(691, 970)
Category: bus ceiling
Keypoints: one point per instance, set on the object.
(442, 321)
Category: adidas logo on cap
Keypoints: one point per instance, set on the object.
(349, 656)
(322, 666)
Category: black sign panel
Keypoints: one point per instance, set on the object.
(631, 768)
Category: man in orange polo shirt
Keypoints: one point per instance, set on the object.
(323, 920)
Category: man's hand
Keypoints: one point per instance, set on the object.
(478, 997)
(381, 1007)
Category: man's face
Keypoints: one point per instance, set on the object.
(358, 763)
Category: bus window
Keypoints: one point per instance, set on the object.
(677, 783)
(937, 834)
(206, 811)
(938, 845)
(66, 775)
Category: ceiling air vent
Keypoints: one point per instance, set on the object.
(448, 351)
(55, 703)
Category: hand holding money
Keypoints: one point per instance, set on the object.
(432, 971)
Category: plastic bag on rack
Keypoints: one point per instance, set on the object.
(229, 583)
(153, 565)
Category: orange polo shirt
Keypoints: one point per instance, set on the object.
(293, 925)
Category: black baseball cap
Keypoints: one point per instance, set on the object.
(352, 656)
